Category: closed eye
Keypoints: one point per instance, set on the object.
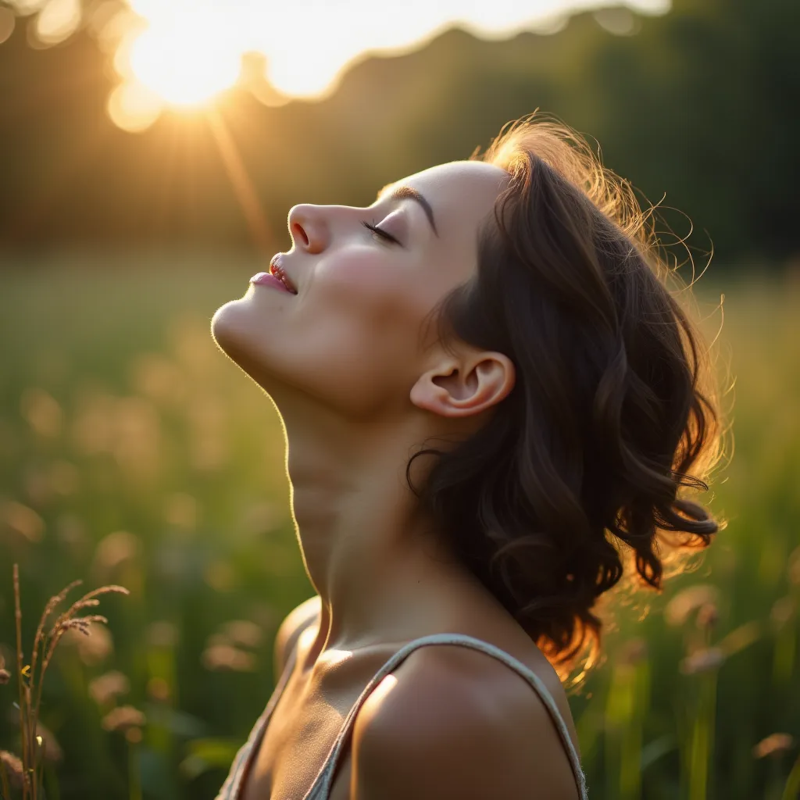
(380, 232)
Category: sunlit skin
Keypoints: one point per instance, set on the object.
(359, 388)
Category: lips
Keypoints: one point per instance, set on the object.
(265, 279)
(276, 269)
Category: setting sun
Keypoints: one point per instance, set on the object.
(186, 64)
(183, 53)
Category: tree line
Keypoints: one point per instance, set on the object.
(699, 108)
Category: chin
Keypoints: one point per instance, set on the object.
(235, 331)
(224, 327)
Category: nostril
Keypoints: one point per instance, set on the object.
(297, 230)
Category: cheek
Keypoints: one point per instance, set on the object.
(361, 273)
(356, 340)
(368, 299)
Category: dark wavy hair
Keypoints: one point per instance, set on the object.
(613, 411)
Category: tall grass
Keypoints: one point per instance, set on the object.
(132, 452)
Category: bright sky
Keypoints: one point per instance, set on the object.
(184, 52)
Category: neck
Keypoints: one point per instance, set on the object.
(372, 556)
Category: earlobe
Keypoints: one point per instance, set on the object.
(463, 390)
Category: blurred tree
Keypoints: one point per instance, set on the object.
(699, 105)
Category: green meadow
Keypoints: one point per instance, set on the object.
(132, 452)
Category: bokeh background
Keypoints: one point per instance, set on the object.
(149, 154)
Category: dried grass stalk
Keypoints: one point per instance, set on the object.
(30, 766)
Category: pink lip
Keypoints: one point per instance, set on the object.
(265, 279)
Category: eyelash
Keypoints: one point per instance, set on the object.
(379, 232)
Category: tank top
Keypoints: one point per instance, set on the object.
(321, 787)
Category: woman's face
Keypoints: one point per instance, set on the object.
(350, 337)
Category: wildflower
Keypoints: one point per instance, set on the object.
(13, 767)
(42, 412)
(158, 689)
(704, 660)
(113, 551)
(773, 745)
(159, 379)
(123, 718)
(108, 687)
(244, 633)
(707, 616)
(680, 608)
(22, 520)
(226, 657)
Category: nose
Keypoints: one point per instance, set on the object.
(308, 227)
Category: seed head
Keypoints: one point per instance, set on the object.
(229, 658)
(681, 607)
(13, 767)
(705, 660)
(774, 745)
(123, 718)
(108, 687)
(707, 616)
(243, 633)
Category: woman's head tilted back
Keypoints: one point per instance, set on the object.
(613, 410)
(512, 302)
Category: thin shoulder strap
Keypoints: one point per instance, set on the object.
(242, 759)
(325, 775)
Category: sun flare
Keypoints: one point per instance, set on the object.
(187, 64)
(183, 53)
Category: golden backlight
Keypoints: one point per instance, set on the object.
(187, 53)
(186, 67)
(182, 53)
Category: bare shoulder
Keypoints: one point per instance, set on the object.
(449, 724)
(291, 627)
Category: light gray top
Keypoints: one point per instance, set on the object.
(321, 787)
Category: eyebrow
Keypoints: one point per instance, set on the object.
(407, 193)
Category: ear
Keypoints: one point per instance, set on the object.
(465, 388)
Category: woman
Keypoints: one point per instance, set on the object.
(507, 310)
